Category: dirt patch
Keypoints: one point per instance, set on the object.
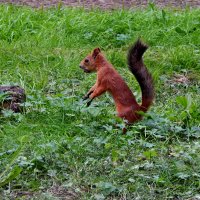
(62, 193)
(55, 192)
(105, 4)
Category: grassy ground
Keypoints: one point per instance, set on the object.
(59, 148)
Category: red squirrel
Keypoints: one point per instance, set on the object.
(108, 79)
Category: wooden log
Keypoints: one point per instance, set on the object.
(11, 97)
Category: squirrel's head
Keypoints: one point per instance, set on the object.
(88, 64)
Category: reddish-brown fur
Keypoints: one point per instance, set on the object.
(108, 79)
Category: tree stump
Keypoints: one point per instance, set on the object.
(11, 97)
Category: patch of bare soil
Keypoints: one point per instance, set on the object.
(55, 192)
(62, 193)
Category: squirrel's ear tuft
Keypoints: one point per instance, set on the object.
(96, 52)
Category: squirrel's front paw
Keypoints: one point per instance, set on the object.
(89, 102)
(85, 97)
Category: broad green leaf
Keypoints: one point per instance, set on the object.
(12, 175)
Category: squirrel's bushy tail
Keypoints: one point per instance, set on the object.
(144, 78)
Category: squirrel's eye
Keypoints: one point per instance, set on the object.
(86, 60)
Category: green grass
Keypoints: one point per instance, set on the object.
(59, 143)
